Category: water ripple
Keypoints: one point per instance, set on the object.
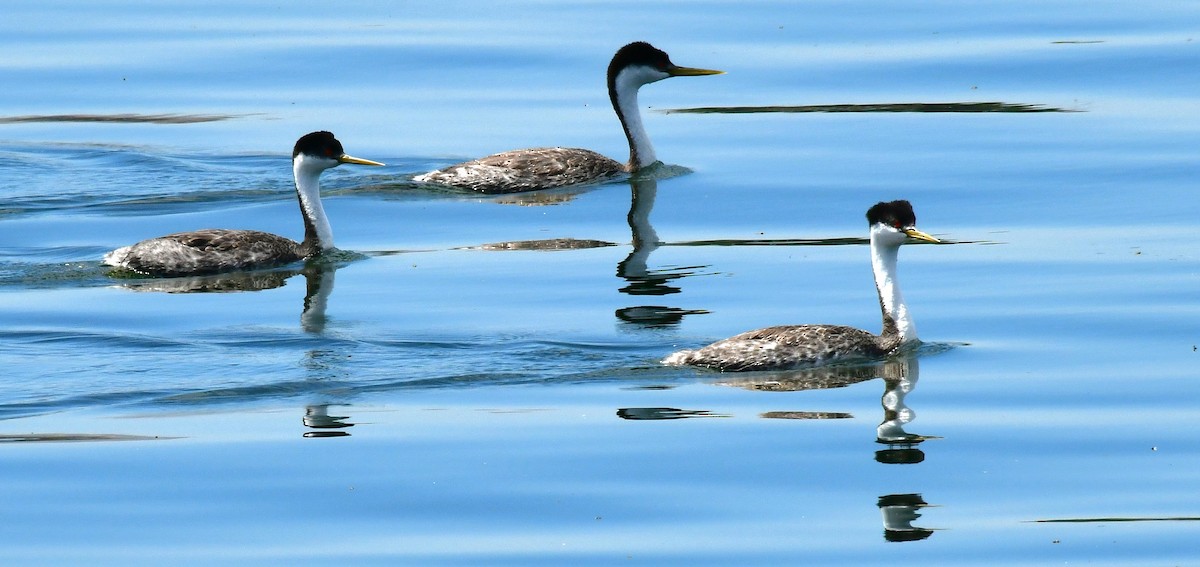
(90, 339)
(128, 118)
(43, 275)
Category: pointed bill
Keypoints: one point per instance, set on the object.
(344, 158)
(676, 71)
(912, 232)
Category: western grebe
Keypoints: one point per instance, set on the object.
(791, 346)
(213, 251)
(634, 65)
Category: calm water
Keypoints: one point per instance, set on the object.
(456, 393)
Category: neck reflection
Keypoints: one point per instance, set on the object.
(322, 363)
(641, 280)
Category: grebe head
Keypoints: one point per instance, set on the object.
(640, 63)
(893, 223)
(318, 151)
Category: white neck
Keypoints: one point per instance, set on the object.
(629, 80)
(308, 186)
(884, 250)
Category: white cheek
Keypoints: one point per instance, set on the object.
(886, 234)
(634, 77)
(312, 164)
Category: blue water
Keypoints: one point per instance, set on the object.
(454, 393)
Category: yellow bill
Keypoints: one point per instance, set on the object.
(914, 233)
(344, 158)
(677, 71)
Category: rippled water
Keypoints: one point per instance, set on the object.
(476, 379)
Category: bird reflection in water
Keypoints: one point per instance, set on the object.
(899, 379)
(258, 280)
(319, 280)
(319, 285)
(638, 414)
(317, 418)
(635, 269)
(899, 511)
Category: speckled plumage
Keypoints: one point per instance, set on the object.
(793, 346)
(787, 346)
(526, 170)
(207, 251)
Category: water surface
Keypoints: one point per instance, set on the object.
(478, 382)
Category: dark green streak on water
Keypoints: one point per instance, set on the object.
(119, 118)
(773, 242)
(931, 107)
(845, 241)
(76, 437)
(1096, 520)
